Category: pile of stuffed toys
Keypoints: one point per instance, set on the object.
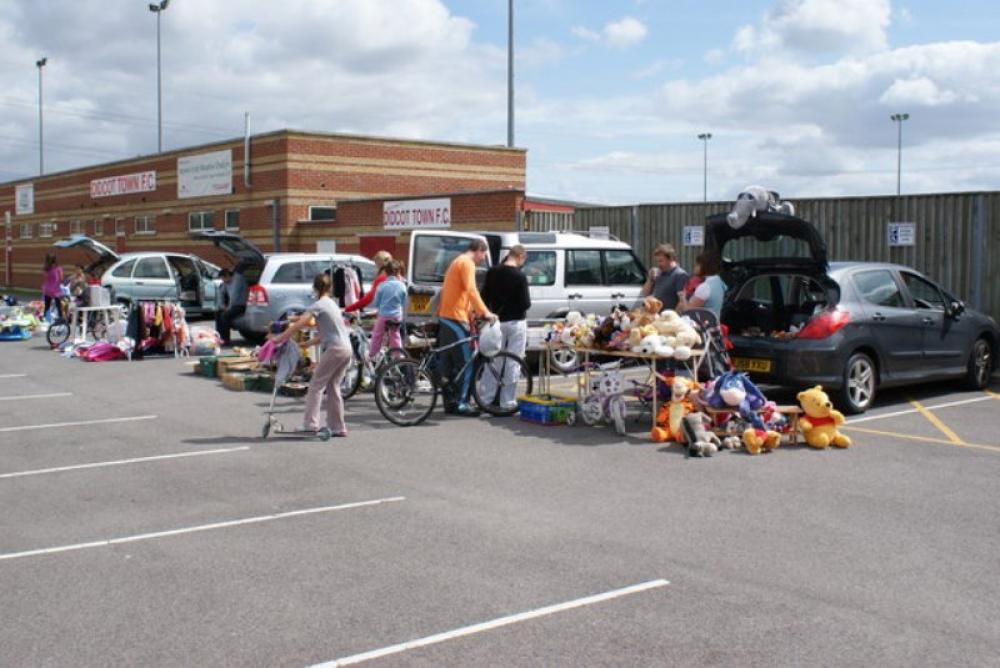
(646, 330)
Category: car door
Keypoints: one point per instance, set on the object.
(209, 277)
(152, 279)
(946, 339)
(585, 286)
(541, 269)
(431, 253)
(625, 276)
(893, 323)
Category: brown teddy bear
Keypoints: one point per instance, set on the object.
(820, 421)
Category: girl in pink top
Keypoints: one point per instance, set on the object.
(52, 276)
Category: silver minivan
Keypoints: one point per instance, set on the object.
(279, 283)
(154, 276)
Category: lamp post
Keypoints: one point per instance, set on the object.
(704, 137)
(510, 73)
(41, 154)
(898, 119)
(158, 8)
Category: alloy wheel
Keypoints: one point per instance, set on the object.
(861, 382)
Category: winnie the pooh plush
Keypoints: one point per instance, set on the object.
(820, 420)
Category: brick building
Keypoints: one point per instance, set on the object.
(303, 190)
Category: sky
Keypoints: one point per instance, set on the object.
(610, 97)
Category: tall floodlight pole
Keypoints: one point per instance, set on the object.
(158, 8)
(510, 73)
(41, 153)
(704, 137)
(898, 120)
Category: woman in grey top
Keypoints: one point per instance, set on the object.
(335, 345)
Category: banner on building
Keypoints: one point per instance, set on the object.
(417, 214)
(141, 182)
(205, 175)
(902, 234)
(24, 199)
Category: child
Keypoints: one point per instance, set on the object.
(389, 300)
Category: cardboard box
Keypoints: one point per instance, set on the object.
(226, 364)
(234, 381)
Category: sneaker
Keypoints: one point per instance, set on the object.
(466, 410)
(508, 406)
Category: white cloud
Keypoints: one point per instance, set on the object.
(623, 33)
(715, 56)
(918, 92)
(819, 26)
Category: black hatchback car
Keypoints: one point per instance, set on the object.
(853, 327)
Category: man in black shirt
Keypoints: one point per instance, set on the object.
(506, 294)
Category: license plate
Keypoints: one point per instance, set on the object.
(420, 303)
(752, 364)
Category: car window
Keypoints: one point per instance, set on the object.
(124, 270)
(540, 268)
(432, 255)
(759, 289)
(750, 248)
(879, 288)
(623, 268)
(583, 267)
(208, 270)
(925, 294)
(313, 267)
(289, 272)
(368, 270)
(151, 267)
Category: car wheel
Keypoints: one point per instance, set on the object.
(977, 375)
(860, 380)
(564, 360)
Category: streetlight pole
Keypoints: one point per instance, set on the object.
(510, 73)
(704, 137)
(898, 119)
(158, 8)
(41, 153)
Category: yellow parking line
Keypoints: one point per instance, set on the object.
(923, 439)
(936, 421)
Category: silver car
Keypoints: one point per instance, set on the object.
(155, 276)
(280, 283)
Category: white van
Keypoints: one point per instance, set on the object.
(565, 270)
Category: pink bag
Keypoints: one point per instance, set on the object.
(103, 352)
(266, 352)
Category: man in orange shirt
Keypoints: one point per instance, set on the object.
(459, 303)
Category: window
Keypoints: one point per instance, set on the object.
(76, 227)
(290, 272)
(879, 288)
(201, 220)
(925, 294)
(233, 219)
(207, 269)
(25, 230)
(99, 227)
(583, 267)
(432, 255)
(540, 268)
(623, 268)
(123, 270)
(120, 227)
(145, 225)
(151, 267)
(46, 229)
(323, 213)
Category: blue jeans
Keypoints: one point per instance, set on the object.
(454, 391)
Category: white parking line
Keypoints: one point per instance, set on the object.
(135, 460)
(487, 626)
(203, 527)
(37, 396)
(13, 375)
(914, 410)
(55, 425)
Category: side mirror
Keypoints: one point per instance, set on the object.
(956, 308)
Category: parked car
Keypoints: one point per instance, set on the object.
(853, 327)
(280, 283)
(565, 270)
(186, 279)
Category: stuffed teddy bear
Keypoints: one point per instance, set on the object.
(701, 441)
(820, 421)
(731, 441)
(669, 418)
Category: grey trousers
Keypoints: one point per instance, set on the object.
(327, 376)
(515, 338)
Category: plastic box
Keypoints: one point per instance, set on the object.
(546, 409)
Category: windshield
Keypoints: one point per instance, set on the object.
(779, 246)
(368, 270)
(432, 255)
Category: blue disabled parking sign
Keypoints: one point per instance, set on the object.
(902, 234)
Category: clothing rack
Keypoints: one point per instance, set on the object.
(168, 326)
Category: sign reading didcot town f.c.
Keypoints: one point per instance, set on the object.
(141, 182)
(417, 214)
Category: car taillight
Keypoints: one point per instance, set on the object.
(257, 296)
(824, 325)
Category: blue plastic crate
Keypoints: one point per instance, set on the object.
(546, 409)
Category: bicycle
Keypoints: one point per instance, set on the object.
(60, 329)
(406, 391)
(361, 365)
(605, 401)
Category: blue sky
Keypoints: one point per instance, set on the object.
(610, 96)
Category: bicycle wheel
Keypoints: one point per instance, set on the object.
(498, 381)
(58, 333)
(405, 393)
(351, 381)
(616, 409)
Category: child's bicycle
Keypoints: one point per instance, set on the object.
(406, 391)
(605, 400)
(95, 322)
(361, 366)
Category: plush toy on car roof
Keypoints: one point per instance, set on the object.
(754, 200)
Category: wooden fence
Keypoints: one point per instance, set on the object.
(957, 235)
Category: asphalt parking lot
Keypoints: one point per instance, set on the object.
(146, 523)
